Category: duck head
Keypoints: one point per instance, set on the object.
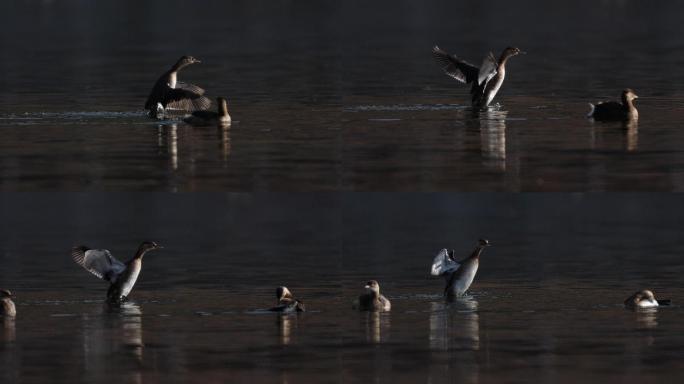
(373, 286)
(187, 60)
(484, 243)
(5, 294)
(147, 246)
(283, 293)
(184, 61)
(629, 95)
(510, 52)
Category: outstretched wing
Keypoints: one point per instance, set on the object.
(443, 264)
(99, 262)
(487, 69)
(459, 69)
(190, 87)
(187, 97)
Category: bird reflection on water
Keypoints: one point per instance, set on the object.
(493, 137)
(377, 325)
(455, 324)
(117, 341)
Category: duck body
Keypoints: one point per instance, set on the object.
(458, 275)
(120, 289)
(644, 299)
(7, 307)
(287, 303)
(372, 300)
(206, 118)
(616, 111)
(169, 93)
(486, 80)
(121, 277)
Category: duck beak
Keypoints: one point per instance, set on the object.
(367, 286)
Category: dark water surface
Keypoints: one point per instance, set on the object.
(339, 96)
(545, 306)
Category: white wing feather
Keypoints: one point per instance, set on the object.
(99, 262)
(443, 264)
(487, 69)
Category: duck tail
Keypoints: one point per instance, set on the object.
(592, 109)
(664, 302)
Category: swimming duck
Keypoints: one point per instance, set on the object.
(459, 275)
(170, 93)
(486, 80)
(613, 110)
(644, 299)
(372, 300)
(7, 307)
(121, 277)
(210, 117)
(286, 302)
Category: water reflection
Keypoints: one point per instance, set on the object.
(647, 318)
(455, 325)
(114, 340)
(167, 138)
(286, 324)
(493, 137)
(605, 135)
(377, 326)
(9, 333)
(631, 134)
(224, 141)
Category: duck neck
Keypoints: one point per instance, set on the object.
(223, 108)
(178, 66)
(140, 253)
(375, 295)
(628, 103)
(477, 252)
(502, 61)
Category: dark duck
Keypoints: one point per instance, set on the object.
(121, 276)
(486, 80)
(614, 110)
(286, 302)
(170, 94)
(204, 118)
(459, 275)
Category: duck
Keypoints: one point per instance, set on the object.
(372, 300)
(458, 275)
(286, 302)
(169, 93)
(616, 111)
(121, 276)
(204, 118)
(486, 80)
(7, 307)
(644, 299)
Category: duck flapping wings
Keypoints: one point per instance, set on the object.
(444, 263)
(99, 262)
(186, 97)
(462, 70)
(487, 69)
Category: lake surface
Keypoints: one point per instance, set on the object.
(545, 307)
(339, 96)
